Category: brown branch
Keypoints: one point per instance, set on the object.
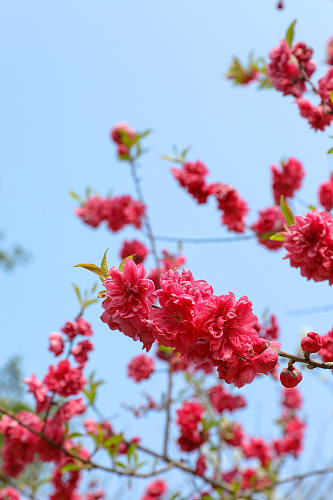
(168, 411)
(309, 362)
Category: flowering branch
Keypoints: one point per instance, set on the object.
(307, 361)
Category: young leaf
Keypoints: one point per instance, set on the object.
(277, 237)
(290, 33)
(330, 151)
(286, 210)
(75, 196)
(104, 264)
(78, 294)
(94, 269)
(70, 467)
(122, 263)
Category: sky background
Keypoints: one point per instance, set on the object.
(70, 71)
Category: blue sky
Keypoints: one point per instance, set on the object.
(71, 70)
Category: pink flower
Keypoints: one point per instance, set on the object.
(309, 243)
(79, 327)
(270, 220)
(39, 391)
(168, 261)
(292, 398)
(326, 352)
(157, 488)
(257, 447)
(64, 380)
(329, 52)
(200, 466)
(325, 194)
(9, 493)
(135, 248)
(192, 176)
(56, 343)
(228, 325)
(284, 68)
(325, 87)
(123, 210)
(92, 212)
(81, 350)
(180, 298)
(222, 400)
(232, 433)
(70, 409)
(140, 368)
(317, 116)
(122, 133)
(129, 297)
(189, 418)
(287, 179)
(311, 343)
(234, 208)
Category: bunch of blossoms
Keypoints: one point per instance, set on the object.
(117, 212)
(325, 194)
(289, 67)
(192, 177)
(199, 325)
(189, 420)
(155, 490)
(167, 261)
(309, 245)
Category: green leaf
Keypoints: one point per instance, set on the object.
(277, 237)
(122, 263)
(78, 294)
(104, 263)
(330, 151)
(331, 96)
(75, 434)
(286, 210)
(290, 33)
(89, 302)
(70, 467)
(75, 196)
(94, 269)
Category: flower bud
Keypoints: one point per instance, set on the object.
(311, 343)
(290, 376)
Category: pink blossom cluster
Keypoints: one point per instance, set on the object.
(192, 177)
(293, 428)
(116, 212)
(270, 221)
(167, 261)
(326, 351)
(222, 400)
(309, 243)
(287, 179)
(124, 137)
(247, 478)
(329, 52)
(325, 194)
(269, 330)
(140, 368)
(206, 329)
(189, 418)
(289, 66)
(135, 248)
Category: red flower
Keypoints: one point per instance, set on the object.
(135, 248)
(311, 343)
(192, 176)
(140, 368)
(64, 380)
(287, 180)
(270, 220)
(317, 116)
(291, 376)
(325, 194)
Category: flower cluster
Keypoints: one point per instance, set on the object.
(135, 248)
(189, 418)
(192, 176)
(223, 400)
(116, 212)
(270, 221)
(325, 194)
(309, 243)
(287, 179)
(155, 490)
(124, 136)
(140, 368)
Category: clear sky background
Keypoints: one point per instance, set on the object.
(70, 71)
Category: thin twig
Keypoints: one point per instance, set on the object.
(226, 239)
(309, 362)
(168, 411)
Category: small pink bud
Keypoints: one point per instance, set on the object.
(290, 376)
(56, 343)
(311, 343)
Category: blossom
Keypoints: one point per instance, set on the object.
(64, 380)
(292, 398)
(189, 418)
(270, 220)
(92, 212)
(234, 208)
(56, 343)
(140, 368)
(192, 176)
(311, 343)
(222, 400)
(325, 193)
(309, 243)
(180, 298)
(232, 433)
(325, 87)
(78, 327)
(291, 376)
(157, 488)
(9, 493)
(257, 447)
(326, 352)
(121, 132)
(81, 350)
(317, 116)
(329, 52)
(286, 65)
(287, 179)
(70, 409)
(123, 210)
(128, 301)
(200, 466)
(39, 391)
(135, 248)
